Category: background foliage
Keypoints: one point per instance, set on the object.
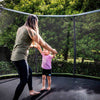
(58, 32)
(56, 7)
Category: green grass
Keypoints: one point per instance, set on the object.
(79, 60)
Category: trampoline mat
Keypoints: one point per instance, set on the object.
(63, 88)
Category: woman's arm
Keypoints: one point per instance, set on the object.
(38, 39)
(38, 47)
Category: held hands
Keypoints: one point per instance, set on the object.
(54, 51)
(36, 45)
(33, 45)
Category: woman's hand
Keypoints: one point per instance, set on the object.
(54, 51)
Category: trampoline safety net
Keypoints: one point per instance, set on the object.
(76, 38)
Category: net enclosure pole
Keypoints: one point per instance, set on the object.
(74, 66)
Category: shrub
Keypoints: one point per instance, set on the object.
(6, 68)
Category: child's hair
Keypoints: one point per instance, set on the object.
(47, 50)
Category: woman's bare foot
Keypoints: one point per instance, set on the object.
(32, 92)
(43, 88)
(49, 88)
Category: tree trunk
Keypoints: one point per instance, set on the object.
(82, 60)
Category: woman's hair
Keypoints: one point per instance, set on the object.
(32, 22)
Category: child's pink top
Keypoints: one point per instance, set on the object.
(46, 61)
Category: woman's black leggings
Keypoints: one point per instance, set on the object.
(25, 74)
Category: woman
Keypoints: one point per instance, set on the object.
(26, 35)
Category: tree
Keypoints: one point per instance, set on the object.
(87, 36)
(9, 24)
(58, 29)
(56, 7)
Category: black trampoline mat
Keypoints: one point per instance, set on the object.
(63, 88)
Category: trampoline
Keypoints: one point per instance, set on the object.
(63, 88)
(67, 29)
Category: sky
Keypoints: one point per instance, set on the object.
(1, 0)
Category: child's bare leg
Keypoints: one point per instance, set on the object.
(49, 82)
(43, 82)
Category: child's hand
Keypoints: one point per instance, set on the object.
(31, 46)
(35, 46)
(38, 46)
